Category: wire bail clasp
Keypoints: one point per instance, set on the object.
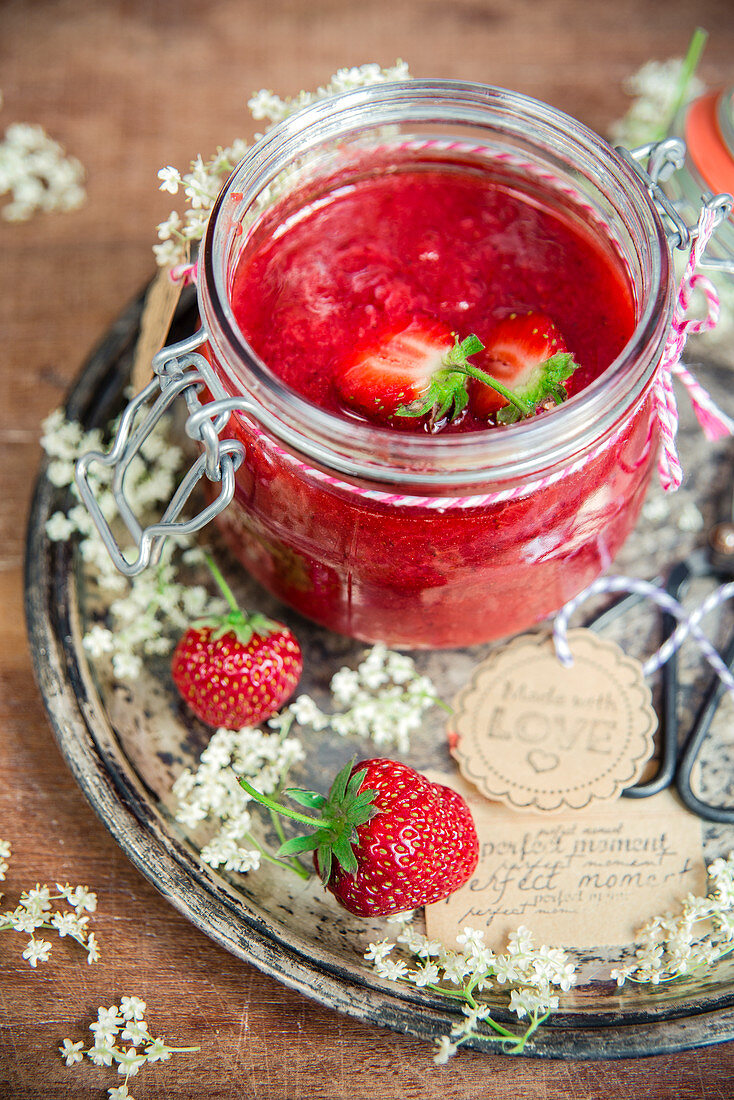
(179, 370)
(661, 160)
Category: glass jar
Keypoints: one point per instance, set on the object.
(431, 541)
(415, 540)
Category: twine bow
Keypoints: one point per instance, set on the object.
(714, 422)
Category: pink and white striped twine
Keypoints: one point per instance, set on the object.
(714, 422)
(185, 274)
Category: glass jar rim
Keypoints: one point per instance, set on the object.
(377, 454)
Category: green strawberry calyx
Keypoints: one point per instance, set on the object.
(340, 812)
(243, 624)
(447, 394)
(544, 385)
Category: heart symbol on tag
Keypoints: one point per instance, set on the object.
(541, 761)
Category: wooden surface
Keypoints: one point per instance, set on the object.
(128, 86)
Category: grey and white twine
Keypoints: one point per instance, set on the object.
(688, 622)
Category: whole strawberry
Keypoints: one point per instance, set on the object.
(238, 669)
(387, 839)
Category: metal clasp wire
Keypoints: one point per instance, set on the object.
(179, 371)
(663, 159)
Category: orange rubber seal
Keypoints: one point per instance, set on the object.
(706, 146)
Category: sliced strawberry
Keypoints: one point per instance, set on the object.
(424, 370)
(396, 369)
(528, 354)
(408, 372)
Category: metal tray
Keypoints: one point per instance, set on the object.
(125, 747)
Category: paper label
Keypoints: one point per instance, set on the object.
(582, 880)
(158, 310)
(538, 736)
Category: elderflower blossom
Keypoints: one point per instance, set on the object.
(72, 1052)
(446, 1050)
(655, 88)
(265, 105)
(203, 181)
(200, 187)
(4, 857)
(213, 795)
(120, 1093)
(35, 910)
(691, 941)
(37, 951)
(129, 1062)
(535, 974)
(121, 1023)
(37, 174)
(383, 699)
(146, 611)
(132, 1008)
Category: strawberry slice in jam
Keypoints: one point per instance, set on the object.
(528, 354)
(423, 370)
(396, 370)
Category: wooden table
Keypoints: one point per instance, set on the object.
(128, 86)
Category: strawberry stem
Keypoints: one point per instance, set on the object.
(458, 359)
(277, 826)
(522, 407)
(243, 624)
(289, 864)
(222, 584)
(690, 64)
(276, 807)
(331, 837)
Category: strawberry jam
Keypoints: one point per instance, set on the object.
(444, 245)
(391, 562)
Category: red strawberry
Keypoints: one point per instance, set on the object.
(236, 670)
(410, 371)
(423, 370)
(528, 354)
(387, 839)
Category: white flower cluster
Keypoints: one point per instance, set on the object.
(200, 186)
(212, 794)
(655, 88)
(142, 611)
(265, 105)
(533, 972)
(118, 1024)
(703, 931)
(35, 910)
(383, 699)
(202, 183)
(37, 174)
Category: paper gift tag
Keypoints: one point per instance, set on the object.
(538, 736)
(580, 879)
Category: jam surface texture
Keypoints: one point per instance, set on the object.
(447, 245)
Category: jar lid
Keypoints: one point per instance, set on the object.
(709, 135)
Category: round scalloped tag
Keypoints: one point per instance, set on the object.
(535, 735)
